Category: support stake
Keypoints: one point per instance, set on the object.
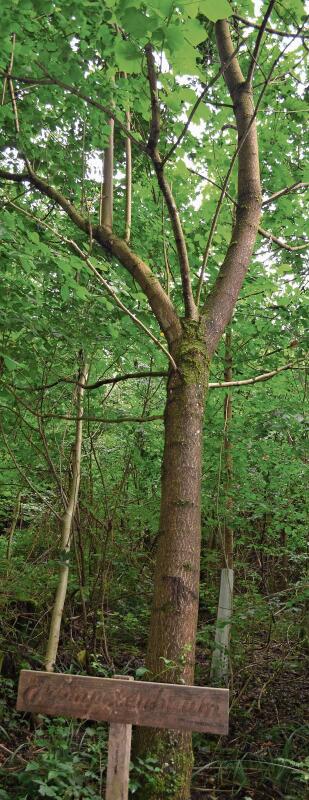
(118, 761)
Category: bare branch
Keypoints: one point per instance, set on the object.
(118, 302)
(107, 185)
(158, 374)
(24, 475)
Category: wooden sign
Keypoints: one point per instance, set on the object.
(123, 703)
(156, 705)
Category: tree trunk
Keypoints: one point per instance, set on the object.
(66, 535)
(170, 657)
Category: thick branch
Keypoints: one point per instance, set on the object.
(159, 301)
(222, 298)
(102, 382)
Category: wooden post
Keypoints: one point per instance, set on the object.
(219, 672)
(118, 761)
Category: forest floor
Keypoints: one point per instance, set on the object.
(263, 758)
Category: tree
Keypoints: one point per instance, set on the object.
(77, 80)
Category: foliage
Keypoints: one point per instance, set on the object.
(53, 307)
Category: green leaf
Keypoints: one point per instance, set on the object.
(127, 56)
(194, 32)
(65, 292)
(137, 24)
(141, 671)
(215, 9)
(10, 363)
(33, 236)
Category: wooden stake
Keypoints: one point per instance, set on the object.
(118, 761)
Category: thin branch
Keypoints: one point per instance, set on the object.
(14, 105)
(266, 376)
(293, 188)
(103, 382)
(8, 73)
(8, 80)
(105, 420)
(280, 243)
(158, 374)
(154, 132)
(261, 231)
(258, 42)
(199, 99)
(274, 31)
(118, 302)
(152, 148)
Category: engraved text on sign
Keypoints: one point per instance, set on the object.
(156, 705)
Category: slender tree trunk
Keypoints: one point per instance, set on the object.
(171, 655)
(13, 527)
(66, 536)
(107, 186)
(128, 209)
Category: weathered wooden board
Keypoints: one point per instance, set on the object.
(155, 705)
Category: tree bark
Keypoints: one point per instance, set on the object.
(66, 536)
(107, 186)
(171, 649)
